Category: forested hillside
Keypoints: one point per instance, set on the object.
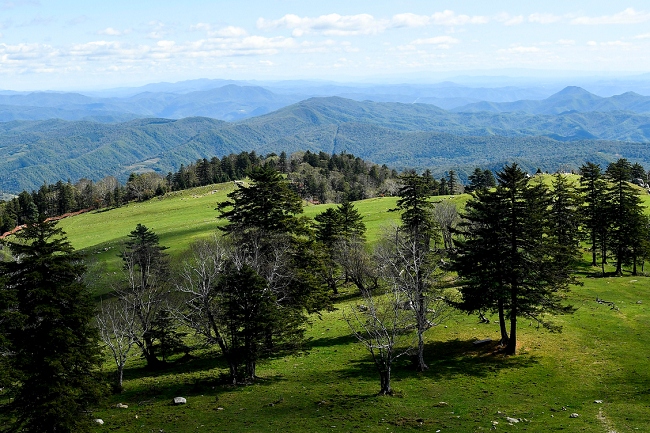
(399, 135)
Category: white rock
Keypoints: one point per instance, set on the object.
(574, 415)
(99, 421)
(598, 401)
(121, 406)
(179, 400)
(512, 420)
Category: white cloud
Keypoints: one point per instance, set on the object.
(566, 42)
(509, 20)
(643, 36)
(520, 50)
(267, 62)
(110, 31)
(544, 18)
(449, 18)
(329, 25)
(229, 32)
(363, 24)
(592, 43)
(226, 32)
(628, 16)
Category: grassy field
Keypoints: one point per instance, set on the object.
(602, 354)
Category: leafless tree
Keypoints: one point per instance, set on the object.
(206, 304)
(202, 310)
(417, 273)
(144, 291)
(383, 327)
(357, 264)
(117, 329)
(445, 213)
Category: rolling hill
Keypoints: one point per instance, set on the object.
(400, 135)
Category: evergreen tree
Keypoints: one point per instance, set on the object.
(594, 213)
(268, 204)
(625, 212)
(564, 221)
(509, 247)
(452, 183)
(47, 328)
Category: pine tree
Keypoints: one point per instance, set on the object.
(509, 255)
(594, 213)
(55, 348)
(625, 212)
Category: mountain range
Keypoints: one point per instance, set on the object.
(397, 134)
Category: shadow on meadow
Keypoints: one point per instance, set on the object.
(446, 360)
(204, 375)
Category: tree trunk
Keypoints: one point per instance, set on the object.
(512, 342)
(502, 325)
(385, 381)
(422, 366)
(422, 323)
(594, 248)
(120, 375)
(233, 372)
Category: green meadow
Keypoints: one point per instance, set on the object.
(603, 354)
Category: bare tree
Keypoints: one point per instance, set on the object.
(383, 327)
(445, 213)
(203, 309)
(417, 273)
(116, 323)
(357, 264)
(145, 287)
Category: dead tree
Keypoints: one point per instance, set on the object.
(382, 326)
(116, 324)
(418, 273)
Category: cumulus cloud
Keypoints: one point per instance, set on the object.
(544, 18)
(363, 24)
(566, 42)
(226, 32)
(509, 20)
(628, 16)
(643, 36)
(110, 31)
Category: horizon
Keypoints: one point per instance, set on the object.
(73, 45)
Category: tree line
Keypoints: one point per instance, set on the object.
(251, 289)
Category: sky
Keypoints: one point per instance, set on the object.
(74, 44)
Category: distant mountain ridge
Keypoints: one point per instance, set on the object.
(401, 135)
(570, 99)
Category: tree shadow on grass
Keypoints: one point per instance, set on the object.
(446, 360)
(203, 375)
(332, 341)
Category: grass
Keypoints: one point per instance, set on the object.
(602, 354)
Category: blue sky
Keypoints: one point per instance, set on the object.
(80, 44)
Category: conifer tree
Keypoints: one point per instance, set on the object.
(45, 323)
(625, 213)
(594, 213)
(522, 272)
